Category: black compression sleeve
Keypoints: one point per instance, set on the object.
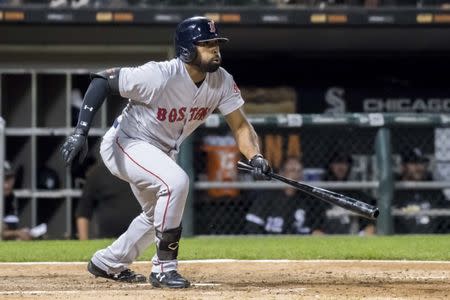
(93, 100)
(112, 76)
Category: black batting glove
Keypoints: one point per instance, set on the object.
(260, 166)
(75, 144)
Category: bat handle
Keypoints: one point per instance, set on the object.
(244, 166)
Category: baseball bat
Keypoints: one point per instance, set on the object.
(361, 208)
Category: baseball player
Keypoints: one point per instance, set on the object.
(167, 101)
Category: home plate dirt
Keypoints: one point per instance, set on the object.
(238, 280)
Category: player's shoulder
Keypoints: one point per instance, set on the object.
(166, 66)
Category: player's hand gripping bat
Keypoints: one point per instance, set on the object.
(356, 206)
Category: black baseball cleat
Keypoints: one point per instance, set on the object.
(124, 276)
(169, 279)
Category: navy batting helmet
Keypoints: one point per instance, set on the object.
(192, 31)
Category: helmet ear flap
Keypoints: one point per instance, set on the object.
(192, 53)
(188, 55)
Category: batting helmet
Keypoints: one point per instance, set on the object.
(192, 31)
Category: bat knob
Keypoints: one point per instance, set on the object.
(375, 213)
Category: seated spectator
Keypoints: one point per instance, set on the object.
(414, 203)
(47, 208)
(340, 220)
(11, 229)
(287, 210)
(338, 167)
(107, 203)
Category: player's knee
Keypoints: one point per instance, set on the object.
(180, 183)
(184, 178)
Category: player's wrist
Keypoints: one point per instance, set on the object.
(81, 131)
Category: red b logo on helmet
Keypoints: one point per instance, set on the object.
(212, 27)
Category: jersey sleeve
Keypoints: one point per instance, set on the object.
(142, 83)
(232, 98)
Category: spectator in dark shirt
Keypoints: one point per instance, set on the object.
(287, 210)
(107, 202)
(342, 222)
(414, 204)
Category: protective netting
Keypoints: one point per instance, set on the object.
(340, 158)
(422, 157)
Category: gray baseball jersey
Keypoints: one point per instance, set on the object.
(165, 107)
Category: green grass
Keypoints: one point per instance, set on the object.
(417, 247)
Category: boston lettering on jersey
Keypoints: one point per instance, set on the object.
(174, 114)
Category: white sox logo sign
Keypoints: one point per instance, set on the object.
(212, 27)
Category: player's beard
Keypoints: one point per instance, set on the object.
(208, 66)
